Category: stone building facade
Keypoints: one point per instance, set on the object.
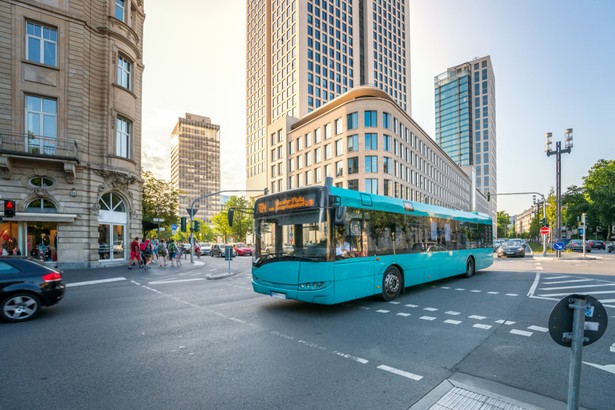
(70, 128)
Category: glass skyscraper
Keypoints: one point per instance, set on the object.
(466, 123)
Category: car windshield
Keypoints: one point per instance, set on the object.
(301, 235)
(512, 243)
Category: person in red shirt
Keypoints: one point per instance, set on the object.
(135, 253)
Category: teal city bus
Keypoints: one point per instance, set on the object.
(323, 244)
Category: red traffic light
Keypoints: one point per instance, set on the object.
(9, 208)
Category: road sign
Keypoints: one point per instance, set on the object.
(192, 211)
(560, 321)
(558, 246)
(544, 230)
(174, 227)
(158, 220)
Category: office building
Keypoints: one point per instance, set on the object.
(70, 129)
(303, 54)
(466, 122)
(195, 164)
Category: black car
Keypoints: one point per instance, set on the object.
(576, 245)
(611, 247)
(511, 248)
(598, 244)
(25, 286)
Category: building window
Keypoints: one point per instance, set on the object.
(339, 168)
(352, 121)
(386, 120)
(371, 164)
(386, 142)
(338, 147)
(353, 165)
(120, 10)
(371, 119)
(371, 185)
(327, 151)
(41, 182)
(112, 219)
(353, 143)
(371, 141)
(41, 205)
(318, 175)
(386, 162)
(42, 44)
(338, 126)
(123, 129)
(41, 124)
(353, 184)
(124, 72)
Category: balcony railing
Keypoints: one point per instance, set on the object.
(31, 145)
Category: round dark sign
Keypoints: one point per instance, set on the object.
(560, 321)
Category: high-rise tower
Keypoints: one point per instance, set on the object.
(465, 120)
(303, 54)
(195, 164)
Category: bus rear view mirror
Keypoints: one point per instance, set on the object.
(340, 215)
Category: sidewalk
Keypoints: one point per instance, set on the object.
(463, 391)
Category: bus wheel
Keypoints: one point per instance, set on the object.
(391, 283)
(470, 268)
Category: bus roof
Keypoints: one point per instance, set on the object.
(365, 200)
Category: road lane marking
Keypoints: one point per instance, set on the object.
(521, 332)
(477, 317)
(412, 306)
(382, 311)
(493, 293)
(351, 357)
(538, 329)
(579, 287)
(505, 322)
(95, 282)
(400, 372)
(427, 318)
(403, 314)
(512, 294)
(452, 322)
(452, 313)
(163, 282)
(530, 293)
(480, 326)
(568, 281)
(430, 309)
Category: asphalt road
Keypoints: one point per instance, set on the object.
(171, 338)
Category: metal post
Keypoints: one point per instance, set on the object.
(576, 356)
(544, 237)
(558, 194)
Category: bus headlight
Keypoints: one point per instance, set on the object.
(313, 285)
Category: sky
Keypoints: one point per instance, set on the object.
(553, 63)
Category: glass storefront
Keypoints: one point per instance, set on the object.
(36, 239)
(112, 219)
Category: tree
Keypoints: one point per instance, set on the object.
(160, 200)
(221, 227)
(242, 219)
(576, 204)
(503, 221)
(600, 194)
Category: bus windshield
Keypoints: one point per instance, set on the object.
(299, 235)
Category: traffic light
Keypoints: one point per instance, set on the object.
(197, 226)
(9, 208)
(231, 213)
(182, 222)
(543, 222)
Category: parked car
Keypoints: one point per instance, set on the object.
(218, 250)
(598, 244)
(205, 248)
(25, 286)
(242, 249)
(511, 248)
(611, 247)
(576, 245)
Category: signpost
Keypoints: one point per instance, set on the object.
(158, 220)
(577, 321)
(174, 229)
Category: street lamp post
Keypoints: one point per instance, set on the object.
(558, 176)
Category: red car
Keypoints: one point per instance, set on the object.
(243, 250)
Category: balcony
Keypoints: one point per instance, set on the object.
(38, 148)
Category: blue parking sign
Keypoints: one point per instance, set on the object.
(558, 246)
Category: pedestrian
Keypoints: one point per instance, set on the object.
(197, 250)
(135, 253)
(148, 254)
(172, 252)
(142, 250)
(162, 253)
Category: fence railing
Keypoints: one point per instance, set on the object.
(37, 145)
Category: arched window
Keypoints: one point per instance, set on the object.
(41, 205)
(111, 202)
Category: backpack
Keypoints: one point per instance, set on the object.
(172, 247)
(148, 250)
(142, 246)
(162, 250)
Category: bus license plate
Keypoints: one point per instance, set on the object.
(278, 295)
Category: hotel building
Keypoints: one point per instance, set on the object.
(195, 164)
(70, 128)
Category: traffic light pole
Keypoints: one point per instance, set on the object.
(192, 211)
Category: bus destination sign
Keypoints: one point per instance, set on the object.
(294, 202)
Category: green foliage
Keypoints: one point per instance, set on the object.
(160, 200)
(599, 186)
(243, 219)
(503, 222)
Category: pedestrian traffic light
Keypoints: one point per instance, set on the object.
(183, 223)
(197, 226)
(9, 208)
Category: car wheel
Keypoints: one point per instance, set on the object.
(470, 268)
(19, 307)
(391, 283)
